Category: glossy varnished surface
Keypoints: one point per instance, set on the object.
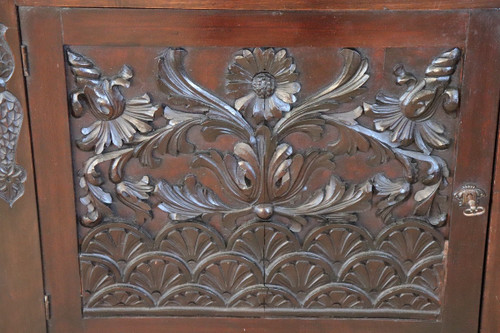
(414, 37)
(21, 285)
(273, 5)
(490, 316)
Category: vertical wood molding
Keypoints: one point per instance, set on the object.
(21, 282)
(59, 253)
(490, 313)
(466, 258)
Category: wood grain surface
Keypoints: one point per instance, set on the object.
(21, 284)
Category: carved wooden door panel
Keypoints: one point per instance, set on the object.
(256, 170)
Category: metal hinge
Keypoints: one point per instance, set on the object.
(46, 303)
(24, 60)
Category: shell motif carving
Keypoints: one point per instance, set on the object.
(267, 244)
(234, 278)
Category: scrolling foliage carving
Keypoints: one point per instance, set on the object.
(12, 175)
(259, 260)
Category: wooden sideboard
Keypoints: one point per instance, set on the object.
(206, 166)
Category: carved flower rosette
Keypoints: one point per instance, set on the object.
(263, 177)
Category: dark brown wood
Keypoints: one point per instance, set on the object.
(233, 325)
(490, 310)
(307, 266)
(21, 283)
(284, 5)
(130, 232)
(175, 27)
(474, 166)
(52, 156)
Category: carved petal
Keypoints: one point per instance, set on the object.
(190, 241)
(97, 272)
(263, 241)
(334, 202)
(189, 200)
(228, 273)
(134, 194)
(338, 242)
(170, 139)
(300, 272)
(392, 192)
(410, 242)
(372, 272)
(337, 296)
(348, 84)
(175, 79)
(429, 274)
(119, 241)
(409, 298)
(267, 296)
(191, 295)
(156, 272)
(121, 295)
(96, 200)
(430, 133)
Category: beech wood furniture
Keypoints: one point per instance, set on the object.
(213, 166)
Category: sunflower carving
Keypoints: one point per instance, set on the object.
(263, 83)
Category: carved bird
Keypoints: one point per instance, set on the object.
(6, 59)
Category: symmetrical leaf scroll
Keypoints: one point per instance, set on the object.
(273, 227)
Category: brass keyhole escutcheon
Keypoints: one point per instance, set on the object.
(468, 196)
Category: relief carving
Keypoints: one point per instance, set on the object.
(366, 273)
(12, 175)
(258, 260)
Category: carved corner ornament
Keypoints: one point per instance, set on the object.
(263, 175)
(12, 175)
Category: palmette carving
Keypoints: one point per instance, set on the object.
(232, 277)
(12, 175)
(259, 239)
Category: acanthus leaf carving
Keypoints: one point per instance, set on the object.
(263, 197)
(263, 174)
(334, 202)
(188, 201)
(179, 86)
(134, 195)
(392, 192)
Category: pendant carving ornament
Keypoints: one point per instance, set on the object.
(263, 179)
(12, 175)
